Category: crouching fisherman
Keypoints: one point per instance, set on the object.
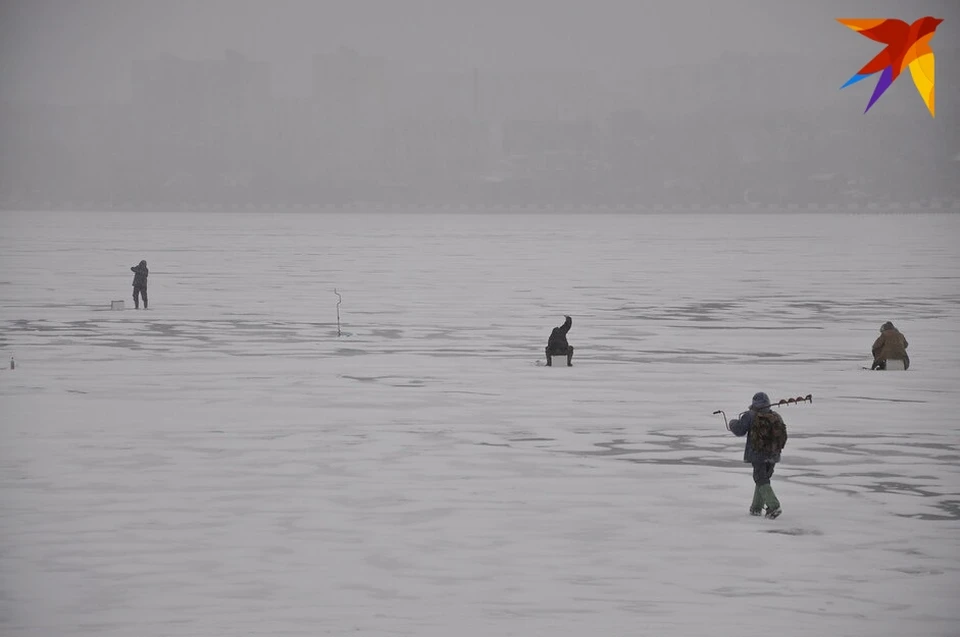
(766, 437)
(891, 345)
(557, 344)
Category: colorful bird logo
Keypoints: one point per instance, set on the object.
(908, 45)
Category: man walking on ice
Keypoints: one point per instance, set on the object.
(766, 437)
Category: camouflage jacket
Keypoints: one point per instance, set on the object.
(891, 344)
(743, 425)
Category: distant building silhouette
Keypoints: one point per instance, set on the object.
(197, 122)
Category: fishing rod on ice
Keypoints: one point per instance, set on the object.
(780, 403)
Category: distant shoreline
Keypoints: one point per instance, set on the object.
(372, 207)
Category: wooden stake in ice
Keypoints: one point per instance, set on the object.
(339, 299)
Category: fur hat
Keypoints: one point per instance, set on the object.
(886, 326)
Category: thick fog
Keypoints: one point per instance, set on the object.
(130, 104)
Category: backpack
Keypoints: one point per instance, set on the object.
(768, 434)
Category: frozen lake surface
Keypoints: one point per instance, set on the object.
(225, 464)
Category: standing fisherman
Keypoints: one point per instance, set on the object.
(140, 274)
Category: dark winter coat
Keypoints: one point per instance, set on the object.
(741, 427)
(140, 273)
(891, 345)
(558, 337)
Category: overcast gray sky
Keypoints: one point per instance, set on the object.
(80, 50)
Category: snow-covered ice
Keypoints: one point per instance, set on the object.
(224, 464)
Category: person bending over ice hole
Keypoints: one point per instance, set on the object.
(557, 343)
(140, 274)
(890, 345)
(766, 437)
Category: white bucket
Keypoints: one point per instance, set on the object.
(116, 305)
(894, 364)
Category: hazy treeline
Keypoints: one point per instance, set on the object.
(764, 129)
